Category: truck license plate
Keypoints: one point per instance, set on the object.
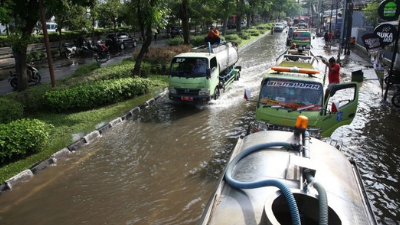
(186, 98)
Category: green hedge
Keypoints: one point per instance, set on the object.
(234, 38)
(22, 137)
(10, 110)
(94, 95)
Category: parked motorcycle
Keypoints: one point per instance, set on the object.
(395, 79)
(72, 50)
(36, 78)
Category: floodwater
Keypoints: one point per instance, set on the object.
(161, 166)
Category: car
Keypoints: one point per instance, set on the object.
(120, 40)
(175, 31)
(278, 27)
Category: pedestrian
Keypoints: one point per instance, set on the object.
(212, 36)
(330, 36)
(326, 38)
(333, 74)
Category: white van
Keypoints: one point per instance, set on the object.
(51, 27)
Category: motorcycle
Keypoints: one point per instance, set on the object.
(36, 78)
(101, 53)
(71, 50)
(395, 79)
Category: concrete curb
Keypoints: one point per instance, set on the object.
(28, 174)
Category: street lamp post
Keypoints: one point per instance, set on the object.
(330, 19)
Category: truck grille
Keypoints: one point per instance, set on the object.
(187, 92)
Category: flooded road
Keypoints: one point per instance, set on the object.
(161, 166)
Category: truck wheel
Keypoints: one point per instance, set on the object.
(216, 93)
(396, 100)
(134, 44)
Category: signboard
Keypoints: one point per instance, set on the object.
(389, 9)
(387, 32)
(372, 42)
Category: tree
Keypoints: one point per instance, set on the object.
(109, 13)
(149, 13)
(371, 13)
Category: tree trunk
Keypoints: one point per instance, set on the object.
(185, 21)
(20, 67)
(143, 51)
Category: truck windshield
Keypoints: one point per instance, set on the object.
(303, 36)
(292, 94)
(189, 67)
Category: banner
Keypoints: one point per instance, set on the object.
(372, 42)
(387, 32)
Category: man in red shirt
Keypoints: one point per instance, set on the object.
(333, 75)
(334, 68)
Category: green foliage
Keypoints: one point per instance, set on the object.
(22, 137)
(4, 41)
(175, 41)
(10, 110)
(253, 32)
(197, 40)
(97, 94)
(86, 69)
(32, 98)
(157, 59)
(234, 38)
(35, 56)
(371, 12)
(244, 35)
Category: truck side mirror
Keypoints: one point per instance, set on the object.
(208, 73)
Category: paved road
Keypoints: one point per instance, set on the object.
(65, 67)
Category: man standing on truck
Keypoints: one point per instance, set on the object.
(212, 36)
(333, 75)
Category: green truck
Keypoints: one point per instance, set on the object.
(294, 88)
(202, 74)
(302, 38)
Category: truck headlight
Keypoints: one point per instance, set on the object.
(172, 90)
(204, 91)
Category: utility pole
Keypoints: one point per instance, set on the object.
(349, 17)
(344, 22)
